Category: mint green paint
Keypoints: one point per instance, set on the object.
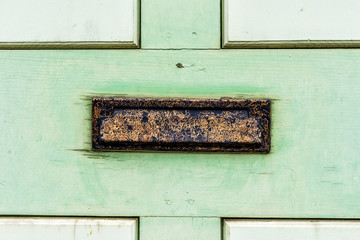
(180, 24)
(313, 169)
(180, 228)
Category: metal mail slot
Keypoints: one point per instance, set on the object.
(228, 125)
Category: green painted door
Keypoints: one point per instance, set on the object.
(47, 167)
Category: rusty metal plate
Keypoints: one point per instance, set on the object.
(228, 125)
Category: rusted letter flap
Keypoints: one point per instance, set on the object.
(180, 126)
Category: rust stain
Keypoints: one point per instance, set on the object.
(179, 65)
(237, 125)
(171, 126)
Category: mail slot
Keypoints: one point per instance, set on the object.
(237, 125)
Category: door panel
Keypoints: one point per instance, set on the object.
(42, 228)
(291, 229)
(312, 170)
(290, 24)
(69, 24)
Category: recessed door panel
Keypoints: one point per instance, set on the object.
(65, 23)
(283, 23)
(45, 228)
(291, 230)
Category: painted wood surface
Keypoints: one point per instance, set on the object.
(291, 229)
(180, 228)
(41, 228)
(282, 23)
(180, 24)
(69, 23)
(312, 171)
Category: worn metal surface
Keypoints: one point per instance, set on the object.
(177, 126)
(181, 124)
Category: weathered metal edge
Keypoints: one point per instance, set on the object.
(259, 108)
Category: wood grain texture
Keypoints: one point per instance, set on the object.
(184, 228)
(180, 24)
(313, 169)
